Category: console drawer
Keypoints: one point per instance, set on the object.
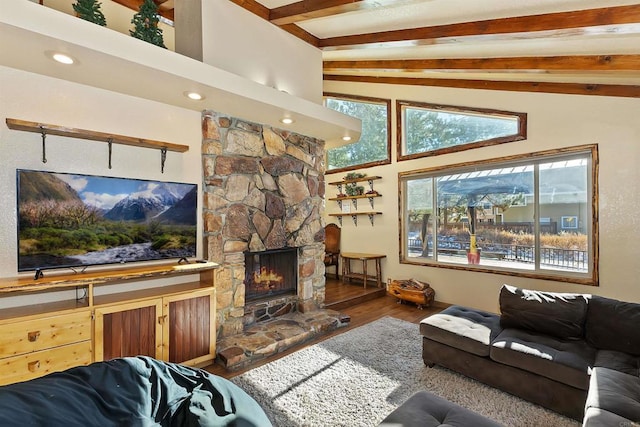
(33, 365)
(39, 334)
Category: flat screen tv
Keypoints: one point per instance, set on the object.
(74, 221)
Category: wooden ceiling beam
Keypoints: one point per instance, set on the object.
(627, 91)
(301, 34)
(519, 24)
(582, 63)
(253, 7)
(309, 9)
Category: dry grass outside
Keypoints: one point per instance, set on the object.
(563, 240)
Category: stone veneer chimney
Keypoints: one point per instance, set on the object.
(263, 189)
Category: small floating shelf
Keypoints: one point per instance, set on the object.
(354, 216)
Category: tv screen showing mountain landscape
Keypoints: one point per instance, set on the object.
(72, 220)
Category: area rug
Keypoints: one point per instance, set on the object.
(358, 377)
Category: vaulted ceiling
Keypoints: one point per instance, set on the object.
(557, 46)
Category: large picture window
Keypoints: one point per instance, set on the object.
(532, 216)
(429, 129)
(374, 146)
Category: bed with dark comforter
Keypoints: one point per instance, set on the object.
(132, 391)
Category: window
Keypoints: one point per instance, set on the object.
(429, 130)
(374, 146)
(482, 216)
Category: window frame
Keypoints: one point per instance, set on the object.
(591, 278)
(402, 104)
(358, 98)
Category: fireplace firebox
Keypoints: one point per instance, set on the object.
(271, 273)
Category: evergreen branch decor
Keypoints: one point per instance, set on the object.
(146, 24)
(89, 10)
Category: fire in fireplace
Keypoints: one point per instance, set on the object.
(270, 273)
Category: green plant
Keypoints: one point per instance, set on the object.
(354, 175)
(146, 24)
(89, 10)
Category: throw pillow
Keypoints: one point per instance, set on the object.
(613, 325)
(558, 314)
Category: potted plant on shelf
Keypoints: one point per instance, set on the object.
(352, 188)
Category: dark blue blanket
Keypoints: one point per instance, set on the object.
(132, 391)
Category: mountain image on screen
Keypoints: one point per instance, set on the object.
(73, 220)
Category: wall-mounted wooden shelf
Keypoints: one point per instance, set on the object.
(45, 129)
(346, 181)
(91, 135)
(354, 216)
(354, 199)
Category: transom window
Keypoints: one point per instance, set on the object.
(532, 215)
(374, 146)
(429, 129)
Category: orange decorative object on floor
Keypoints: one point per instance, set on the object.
(412, 290)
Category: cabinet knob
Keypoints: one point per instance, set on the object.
(162, 319)
(33, 366)
(33, 336)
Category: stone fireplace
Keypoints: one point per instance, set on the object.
(263, 195)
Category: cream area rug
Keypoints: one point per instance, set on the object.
(358, 377)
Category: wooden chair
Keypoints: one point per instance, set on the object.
(332, 247)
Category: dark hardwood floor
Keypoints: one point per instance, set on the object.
(362, 305)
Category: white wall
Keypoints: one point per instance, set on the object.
(553, 121)
(42, 99)
(238, 41)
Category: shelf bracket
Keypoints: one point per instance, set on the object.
(355, 203)
(370, 181)
(371, 218)
(44, 144)
(110, 143)
(371, 202)
(163, 158)
(339, 204)
(355, 219)
(340, 220)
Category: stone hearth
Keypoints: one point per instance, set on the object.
(265, 339)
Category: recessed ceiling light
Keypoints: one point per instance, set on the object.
(194, 95)
(62, 58)
(287, 120)
(346, 138)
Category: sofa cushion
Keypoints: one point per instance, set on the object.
(596, 417)
(613, 325)
(623, 362)
(559, 314)
(425, 409)
(565, 361)
(615, 392)
(463, 328)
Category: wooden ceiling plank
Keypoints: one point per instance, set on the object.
(582, 63)
(627, 91)
(310, 9)
(519, 24)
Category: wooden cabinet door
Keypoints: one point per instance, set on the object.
(189, 327)
(129, 329)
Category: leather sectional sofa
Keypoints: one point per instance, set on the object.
(576, 354)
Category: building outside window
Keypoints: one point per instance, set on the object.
(374, 146)
(532, 215)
